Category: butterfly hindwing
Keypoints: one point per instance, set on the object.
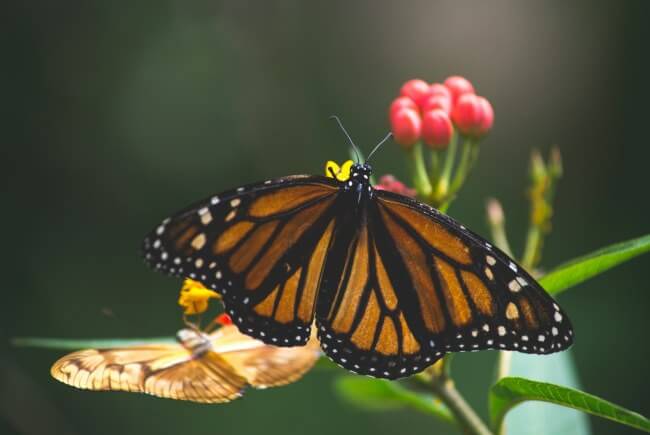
(429, 286)
(263, 365)
(260, 246)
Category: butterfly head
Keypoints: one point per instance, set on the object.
(359, 181)
(360, 173)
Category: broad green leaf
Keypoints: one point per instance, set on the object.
(379, 394)
(75, 344)
(535, 417)
(583, 268)
(511, 391)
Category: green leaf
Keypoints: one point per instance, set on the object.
(325, 364)
(583, 268)
(511, 391)
(74, 344)
(379, 394)
(535, 417)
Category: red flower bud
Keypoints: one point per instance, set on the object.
(223, 319)
(437, 129)
(401, 102)
(415, 89)
(406, 125)
(488, 117)
(436, 102)
(473, 115)
(392, 184)
(439, 89)
(458, 86)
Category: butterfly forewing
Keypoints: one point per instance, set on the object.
(260, 246)
(488, 301)
(167, 371)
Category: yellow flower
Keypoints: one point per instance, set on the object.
(341, 173)
(194, 297)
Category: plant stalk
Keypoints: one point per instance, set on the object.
(533, 248)
(419, 171)
(467, 418)
(464, 166)
(442, 188)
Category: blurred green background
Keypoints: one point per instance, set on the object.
(118, 113)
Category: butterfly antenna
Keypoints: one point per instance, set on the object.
(354, 147)
(378, 145)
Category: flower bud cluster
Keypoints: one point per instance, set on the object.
(431, 112)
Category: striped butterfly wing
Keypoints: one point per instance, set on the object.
(404, 284)
(167, 371)
(260, 246)
(264, 365)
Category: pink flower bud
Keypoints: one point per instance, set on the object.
(401, 102)
(392, 184)
(415, 89)
(473, 115)
(406, 125)
(437, 129)
(436, 102)
(458, 86)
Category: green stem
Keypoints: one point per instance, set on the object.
(419, 171)
(465, 165)
(446, 365)
(533, 247)
(442, 188)
(435, 167)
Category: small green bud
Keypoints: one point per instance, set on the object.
(537, 167)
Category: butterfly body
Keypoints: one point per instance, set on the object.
(392, 283)
(196, 342)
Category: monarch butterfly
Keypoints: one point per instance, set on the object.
(206, 368)
(392, 283)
